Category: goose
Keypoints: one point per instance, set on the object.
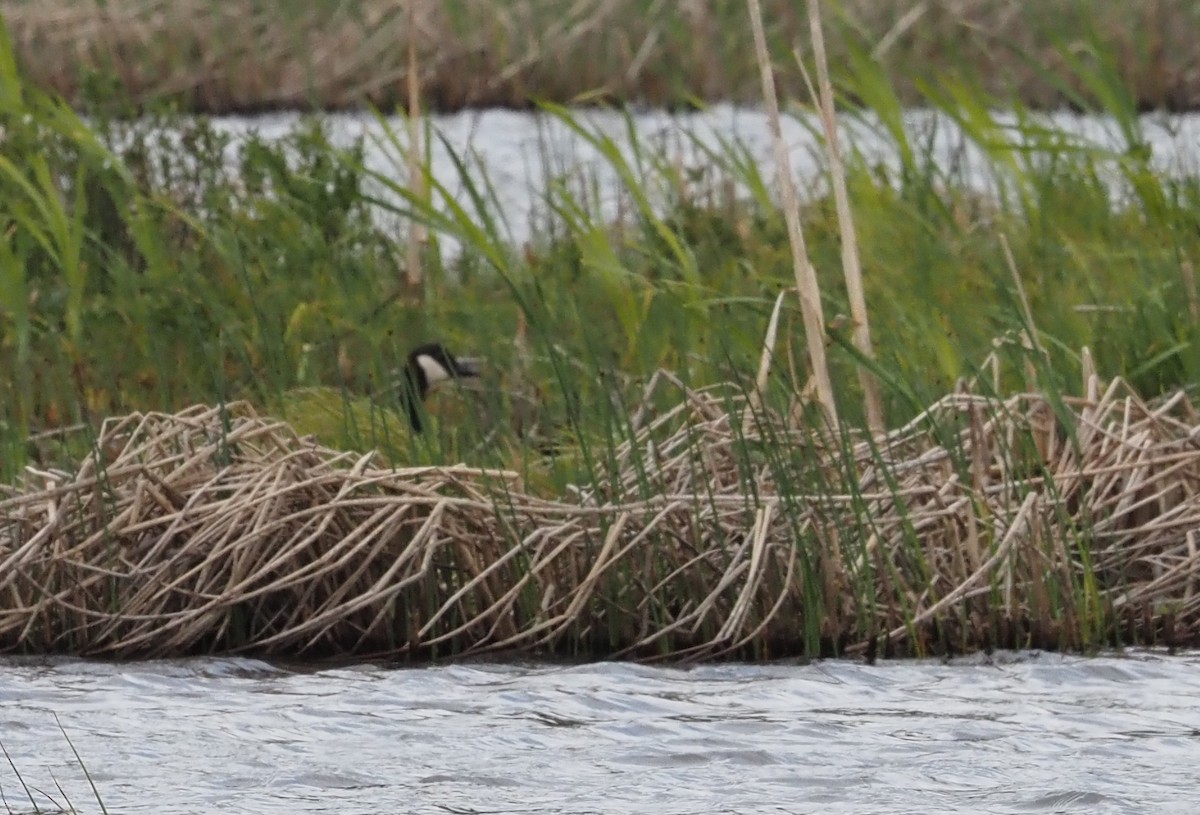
(426, 367)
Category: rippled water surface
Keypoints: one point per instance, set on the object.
(1022, 734)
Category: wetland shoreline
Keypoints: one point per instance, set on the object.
(246, 57)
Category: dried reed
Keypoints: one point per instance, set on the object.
(808, 287)
(822, 96)
(980, 523)
(239, 55)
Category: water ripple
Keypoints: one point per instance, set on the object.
(1028, 733)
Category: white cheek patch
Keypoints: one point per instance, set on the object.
(434, 371)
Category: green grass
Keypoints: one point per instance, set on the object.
(153, 278)
(34, 794)
(148, 278)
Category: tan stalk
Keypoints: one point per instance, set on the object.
(767, 356)
(851, 263)
(806, 277)
(416, 176)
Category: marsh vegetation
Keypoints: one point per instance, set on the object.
(650, 468)
(249, 55)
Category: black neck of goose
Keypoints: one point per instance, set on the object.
(412, 394)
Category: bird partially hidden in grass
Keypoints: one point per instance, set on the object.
(339, 418)
(500, 411)
(515, 418)
(427, 367)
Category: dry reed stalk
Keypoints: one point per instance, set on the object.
(807, 286)
(768, 353)
(907, 20)
(851, 264)
(416, 175)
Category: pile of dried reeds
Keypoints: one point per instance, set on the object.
(724, 530)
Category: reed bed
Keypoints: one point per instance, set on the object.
(685, 520)
(247, 55)
(720, 529)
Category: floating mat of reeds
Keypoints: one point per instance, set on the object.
(722, 531)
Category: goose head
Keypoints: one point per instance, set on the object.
(426, 367)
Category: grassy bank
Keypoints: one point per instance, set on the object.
(247, 55)
(632, 483)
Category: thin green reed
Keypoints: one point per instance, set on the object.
(14, 303)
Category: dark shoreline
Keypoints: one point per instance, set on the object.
(238, 58)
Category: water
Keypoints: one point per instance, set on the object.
(1034, 733)
(513, 157)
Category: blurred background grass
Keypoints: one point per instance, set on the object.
(253, 55)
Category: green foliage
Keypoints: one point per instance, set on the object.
(141, 270)
(145, 271)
